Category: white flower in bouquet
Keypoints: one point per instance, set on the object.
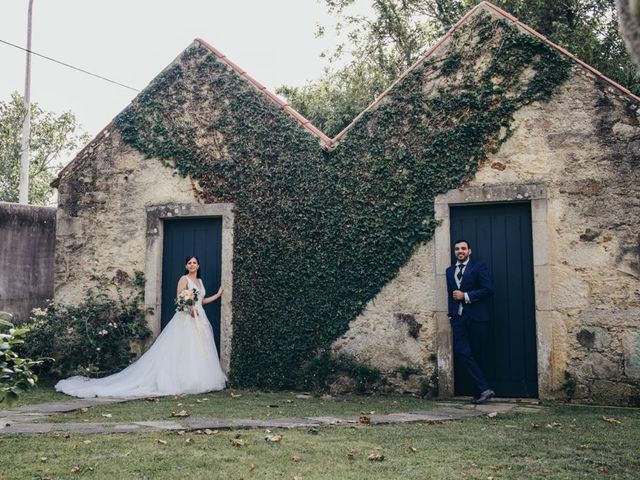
(187, 298)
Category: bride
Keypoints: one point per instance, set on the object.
(183, 359)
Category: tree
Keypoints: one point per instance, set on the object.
(52, 136)
(389, 41)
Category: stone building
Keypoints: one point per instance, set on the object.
(545, 188)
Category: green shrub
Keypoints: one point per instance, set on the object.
(93, 338)
(15, 372)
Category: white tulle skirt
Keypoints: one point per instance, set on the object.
(182, 360)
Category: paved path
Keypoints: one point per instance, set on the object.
(22, 419)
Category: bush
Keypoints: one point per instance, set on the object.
(15, 372)
(93, 338)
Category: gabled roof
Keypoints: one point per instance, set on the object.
(331, 143)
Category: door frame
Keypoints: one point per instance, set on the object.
(156, 214)
(536, 194)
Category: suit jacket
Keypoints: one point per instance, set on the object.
(476, 283)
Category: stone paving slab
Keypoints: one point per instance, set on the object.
(161, 425)
(448, 412)
(62, 407)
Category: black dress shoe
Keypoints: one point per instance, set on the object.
(484, 396)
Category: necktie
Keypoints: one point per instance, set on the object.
(460, 269)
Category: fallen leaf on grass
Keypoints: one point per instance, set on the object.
(107, 415)
(492, 414)
(376, 457)
(295, 477)
(181, 413)
(554, 425)
(206, 431)
(87, 442)
(235, 395)
(43, 459)
(159, 441)
(603, 468)
(364, 420)
(189, 440)
(535, 425)
(412, 449)
(351, 454)
(584, 446)
(610, 419)
(84, 410)
(288, 401)
(75, 470)
(303, 395)
(252, 467)
(180, 432)
(237, 442)
(296, 458)
(273, 438)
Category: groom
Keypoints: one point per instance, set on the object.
(469, 288)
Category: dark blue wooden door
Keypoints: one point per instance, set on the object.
(500, 236)
(201, 237)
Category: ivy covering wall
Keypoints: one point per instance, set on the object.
(317, 234)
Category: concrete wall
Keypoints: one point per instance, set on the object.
(27, 243)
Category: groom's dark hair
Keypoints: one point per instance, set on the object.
(186, 272)
(462, 240)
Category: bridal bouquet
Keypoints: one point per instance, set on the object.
(187, 298)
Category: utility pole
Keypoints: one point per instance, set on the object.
(23, 192)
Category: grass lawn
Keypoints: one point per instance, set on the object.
(560, 442)
(249, 404)
(42, 392)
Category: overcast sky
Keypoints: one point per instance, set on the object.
(131, 41)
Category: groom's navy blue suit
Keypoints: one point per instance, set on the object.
(470, 328)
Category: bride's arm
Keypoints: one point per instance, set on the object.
(182, 285)
(213, 298)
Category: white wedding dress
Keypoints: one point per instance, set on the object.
(182, 360)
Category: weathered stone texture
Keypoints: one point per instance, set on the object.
(397, 329)
(102, 213)
(583, 146)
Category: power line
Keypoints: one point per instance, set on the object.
(70, 66)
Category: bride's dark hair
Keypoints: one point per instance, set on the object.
(186, 272)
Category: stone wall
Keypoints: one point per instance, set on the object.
(110, 210)
(102, 213)
(27, 242)
(584, 147)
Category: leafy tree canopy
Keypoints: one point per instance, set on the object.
(52, 136)
(381, 46)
